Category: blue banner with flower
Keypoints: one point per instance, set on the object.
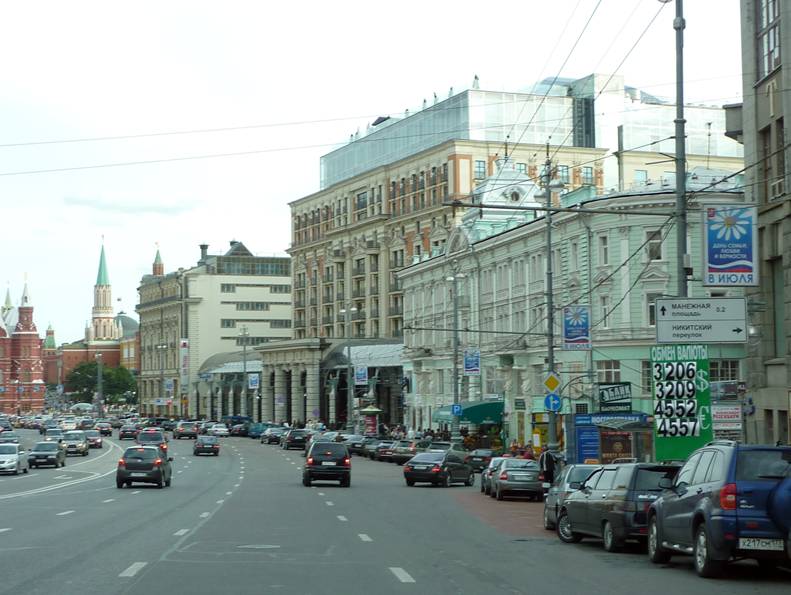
(577, 328)
(730, 246)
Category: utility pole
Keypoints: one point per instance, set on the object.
(455, 435)
(243, 334)
(347, 312)
(99, 395)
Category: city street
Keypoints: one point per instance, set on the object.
(243, 523)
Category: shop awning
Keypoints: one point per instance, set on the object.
(472, 412)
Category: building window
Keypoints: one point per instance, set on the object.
(721, 370)
(581, 408)
(587, 175)
(563, 174)
(767, 37)
(640, 176)
(575, 253)
(604, 250)
(521, 168)
(778, 307)
(653, 247)
(280, 289)
(279, 324)
(228, 288)
(227, 323)
(480, 170)
(650, 304)
(646, 376)
(604, 311)
(608, 370)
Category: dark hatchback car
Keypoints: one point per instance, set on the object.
(612, 504)
(729, 501)
(45, 454)
(128, 431)
(560, 490)
(144, 464)
(330, 461)
(438, 468)
(294, 439)
(104, 428)
(94, 439)
(206, 445)
(152, 436)
(516, 477)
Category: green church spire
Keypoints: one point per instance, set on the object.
(102, 278)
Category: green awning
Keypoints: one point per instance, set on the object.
(472, 412)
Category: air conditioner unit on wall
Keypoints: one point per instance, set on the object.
(777, 189)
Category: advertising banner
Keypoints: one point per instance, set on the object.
(615, 397)
(730, 245)
(726, 417)
(252, 382)
(361, 375)
(577, 328)
(184, 363)
(472, 362)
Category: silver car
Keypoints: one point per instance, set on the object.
(75, 442)
(517, 477)
(560, 489)
(12, 459)
(486, 474)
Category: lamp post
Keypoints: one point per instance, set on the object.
(455, 435)
(99, 395)
(350, 372)
(161, 347)
(243, 335)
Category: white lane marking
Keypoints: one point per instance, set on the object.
(342, 518)
(62, 477)
(220, 501)
(204, 515)
(241, 477)
(236, 485)
(402, 575)
(133, 569)
(293, 463)
(64, 513)
(4, 529)
(108, 500)
(228, 493)
(181, 532)
(329, 503)
(321, 493)
(364, 537)
(179, 472)
(299, 468)
(135, 492)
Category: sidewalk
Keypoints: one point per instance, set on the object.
(513, 517)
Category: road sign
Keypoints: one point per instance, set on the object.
(553, 402)
(701, 320)
(551, 382)
(455, 409)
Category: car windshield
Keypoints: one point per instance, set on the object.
(440, 446)
(428, 457)
(520, 464)
(141, 454)
(495, 462)
(328, 448)
(150, 437)
(579, 474)
(45, 446)
(74, 435)
(7, 449)
(91, 434)
(752, 465)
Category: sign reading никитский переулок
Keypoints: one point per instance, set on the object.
(682, 400)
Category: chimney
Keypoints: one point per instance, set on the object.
(204, 248)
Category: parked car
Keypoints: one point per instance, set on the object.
(128, 431)
(438, 468)
(143, 464)
(328, 460)
(239, 429)
(406, 449)
(729, 501)
(208, 445)
(560, 489)
(256, 430)
(94, 439)
(612, 503)
(75, 442)
(486, 475)
(385, 450)
(354, 443)
(12, 459)
(46, 453)
(294, 439)
(218, 430)
(517, 477)
(185, 429)
(370, 445)
(104, 428)
(479, 458)
(272, 435)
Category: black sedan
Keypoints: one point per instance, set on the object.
(479, 458)
(438, 468)
(272, 435)
(127, 432)
(206, 445)
(46, 453)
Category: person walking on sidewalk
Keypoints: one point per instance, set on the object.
(546, 463)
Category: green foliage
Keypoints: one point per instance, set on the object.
(81, 382)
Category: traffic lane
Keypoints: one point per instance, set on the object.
(277, 536)
(447, 550)
(517, 517)
(87, 539)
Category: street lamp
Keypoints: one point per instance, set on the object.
(455, 435)
(161, 347)
(99, 396)
(243, 335)
(350, 372)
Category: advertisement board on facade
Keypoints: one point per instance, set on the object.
(361, 375)
(184, 364)
(616, 396)
(726, 417)
(577, 328)
(472, 362)
(730, 245)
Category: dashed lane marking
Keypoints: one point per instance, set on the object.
(320, 493)
(108, 500)
(205, 515)
(133, 569)
(228, 493)
(64, 513)
(4, 529)
(402, 575)
(220, 501)
(236, 485)
(135, 492)
(181, 532)
(364, 537)
(342, 518)
(330, 503)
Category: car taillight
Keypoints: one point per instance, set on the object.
(436, 469)
(541, 476)
(157, 463)
(121, 463)
(347, 462)
(467, 459)
(503, 475)
(310, 460)
(728, 496)
(407, 468)
(217, 446)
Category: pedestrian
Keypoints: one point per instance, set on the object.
(546, 462)
(410, 434)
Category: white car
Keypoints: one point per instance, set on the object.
(68, 424)
(12, 459)
(218, 430)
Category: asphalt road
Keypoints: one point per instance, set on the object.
(243, 523)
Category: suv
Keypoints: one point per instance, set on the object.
(76, 443)
(729, 501)
(612, 504)
(144, 464)
(185, 429)
(328, 460)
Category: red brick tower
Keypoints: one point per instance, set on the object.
(27, 369)
(6, 397)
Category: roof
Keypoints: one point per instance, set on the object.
(129, 325)
(157, 258)
(372, 355)
(26, 302)
(102, 278)
(231, 362)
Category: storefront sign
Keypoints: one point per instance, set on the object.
(520, 405)
(682, 400)
(726, 417)
(577, 328)
(472, 362)
(615, 397)
(587, 443)
(730, 245)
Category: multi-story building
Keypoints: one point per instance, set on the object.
(617, 263)
(224, 303)
(760, 123)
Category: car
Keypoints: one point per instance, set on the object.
(294, 439)
(12, 459)
(9, 438)
(205, 426)
(208, 445)
(68, 424)
(127, 431)
(729, 501)
(94, 439)
(384, 450)
(370, 445)
(612, 503)
(53, 435)
(86, 423)
(447, 446)
(115, 422)
(560, 489)
(272, 435)
(328, 461)
(152, 435)
(48, 424)
(316, 438)
(46, 453)
(144, 464)
(438, 468)
(240, 429)
(218, 430)
(256, 430)
(75, 442)
(517, 477)
(486, 475)
(406, 449)
(104, 428)
(479, 458)
(169, 425)
(185, 429)
(354, 443)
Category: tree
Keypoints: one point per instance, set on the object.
(81, 382)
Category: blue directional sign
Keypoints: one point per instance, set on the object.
(455, 409)
(552, 402)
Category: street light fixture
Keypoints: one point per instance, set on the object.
(350, 372)
(243, 335)
(455, 435)
(161, 347)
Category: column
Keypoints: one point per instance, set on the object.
(312, 388)
(297, 393)
(243, 398)
(332, 384)
(267, 403)
(280, 394)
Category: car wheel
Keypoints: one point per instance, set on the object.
(410, 482)
(306, 481)
(160, 484)
(565, 533)
(119, 484)
(611, 542)
(63, 463)
(490, 491)
(705, 566)
(345, 483)
(446, 482)
(656, 553)
(167, 482)
(499, 495)
(548, 525)
(470, 479)
(483, 491)
(24, 470)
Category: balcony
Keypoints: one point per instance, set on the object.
(358, 315)
(314, 301)
(374, 312)
(396, 285)
(340, 317)
(358, 271)
(326, 319)
(326, 298)
(299, 324)
(329, 277)
(299, 283)
(371, 245)
(358, 292)
(314, 320)
(373, 267)
(340, 296)
(396, 310)
(299, 303)
(339, 254)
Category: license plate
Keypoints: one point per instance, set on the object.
(477, 459)
(521, 477)
(420, 467)
(757, 543)
(328, 463)
(138, 474)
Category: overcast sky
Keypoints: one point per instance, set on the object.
(297, 78)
